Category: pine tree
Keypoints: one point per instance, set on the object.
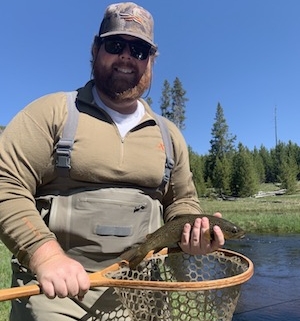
(244, 179)
(221, 175)
(149, 101)
(288, 175)
(196, 164)
(172, 103)
(267, 163)
(259, 166)
(178, 104)
(287, 168)
(222, 145)
(165, 101)
(222, 141)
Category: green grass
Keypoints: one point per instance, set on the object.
(5, 281)
(272, 214)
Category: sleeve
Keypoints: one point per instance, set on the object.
(26, 154)
(181, 196)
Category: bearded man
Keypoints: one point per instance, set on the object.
(65, 212)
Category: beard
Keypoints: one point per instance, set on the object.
(120, 87)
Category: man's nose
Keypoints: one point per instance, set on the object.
(126, 53)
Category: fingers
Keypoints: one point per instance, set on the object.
(196, 240)
(66, 287)
(218, 214)
(65, 278)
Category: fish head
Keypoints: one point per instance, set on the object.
(232, 232)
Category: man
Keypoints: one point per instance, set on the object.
(59, 228)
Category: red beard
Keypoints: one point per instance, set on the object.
(118, 86)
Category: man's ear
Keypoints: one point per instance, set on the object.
(95, 50)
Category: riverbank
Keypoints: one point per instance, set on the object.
(272, 214)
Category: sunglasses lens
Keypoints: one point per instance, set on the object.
(139, 50)
(114, 47)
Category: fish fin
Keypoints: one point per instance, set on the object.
(133, 256)
(129, 253)
(157, 250)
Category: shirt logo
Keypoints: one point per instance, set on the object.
(161, 147)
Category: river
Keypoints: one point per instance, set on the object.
(273, 293)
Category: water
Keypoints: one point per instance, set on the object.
(273, 293)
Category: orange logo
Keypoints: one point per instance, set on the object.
(161, 146)
(131, 17)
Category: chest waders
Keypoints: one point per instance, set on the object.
(95, 226)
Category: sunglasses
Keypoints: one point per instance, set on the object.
(139, 49)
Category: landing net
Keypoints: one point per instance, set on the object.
(180, 287)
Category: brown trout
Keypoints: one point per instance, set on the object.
(170, 234)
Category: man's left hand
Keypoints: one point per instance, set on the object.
(194, 239)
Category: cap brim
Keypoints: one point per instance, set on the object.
(128, 33)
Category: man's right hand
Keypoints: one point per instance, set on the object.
(57, 274)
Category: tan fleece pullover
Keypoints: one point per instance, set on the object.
(99, 156)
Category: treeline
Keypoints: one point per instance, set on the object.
(230, 168)
(239, 172)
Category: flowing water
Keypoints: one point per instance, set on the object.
(273, 292)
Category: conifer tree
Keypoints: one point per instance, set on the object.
(221, 175)
(165, 101)
(149, 101)
(221, 146)
(288, 175)
(178, 104)
(244, 179)
(267, 164)
(196, 164)
(259, 165)
(222, 141)
(172, 103)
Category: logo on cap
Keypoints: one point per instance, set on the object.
(130, 17)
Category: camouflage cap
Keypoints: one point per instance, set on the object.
(127, 18)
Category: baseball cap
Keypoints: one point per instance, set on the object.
(127, 18)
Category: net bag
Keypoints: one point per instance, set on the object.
(180, 287)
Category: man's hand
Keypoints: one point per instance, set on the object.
(194, 239)
(57, 274)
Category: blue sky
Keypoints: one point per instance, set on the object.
(244, 54)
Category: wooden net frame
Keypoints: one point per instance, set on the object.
(177, 286)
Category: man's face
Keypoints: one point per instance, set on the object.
(121, 77)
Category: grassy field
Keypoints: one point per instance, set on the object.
(272, 214)
(4, 280)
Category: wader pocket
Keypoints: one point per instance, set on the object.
(103, 221)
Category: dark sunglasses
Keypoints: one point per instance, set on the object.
(139, 49)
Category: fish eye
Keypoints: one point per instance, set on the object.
(234, 229)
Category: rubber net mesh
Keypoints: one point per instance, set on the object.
(152, 305)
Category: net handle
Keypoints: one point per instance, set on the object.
(99, 279)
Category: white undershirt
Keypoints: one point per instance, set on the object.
(124, 122)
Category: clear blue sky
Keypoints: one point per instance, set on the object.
(244, 54)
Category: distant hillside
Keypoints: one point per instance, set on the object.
(1, 129)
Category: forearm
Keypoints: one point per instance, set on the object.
(47, 251)
(23, 230)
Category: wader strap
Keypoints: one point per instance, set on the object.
(168, 149)
(65, 144)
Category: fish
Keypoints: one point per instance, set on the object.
(169, 234)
